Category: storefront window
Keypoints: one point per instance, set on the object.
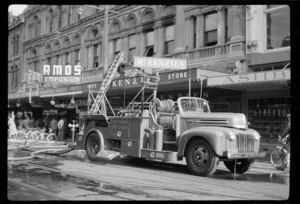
(268, 117)
(278, 26)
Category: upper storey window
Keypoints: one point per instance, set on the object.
(278, 26)
(211, 29)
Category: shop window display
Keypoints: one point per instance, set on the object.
(268, 117)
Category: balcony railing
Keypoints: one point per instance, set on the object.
(206, 52)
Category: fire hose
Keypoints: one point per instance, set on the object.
(49, 150)
(53, 150)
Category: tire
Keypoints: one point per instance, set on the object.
(93, 147)
(242, 165)
(201, 159)
(51, 137)
(277, 159)
(20, 135)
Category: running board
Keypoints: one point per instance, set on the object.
(107, 154)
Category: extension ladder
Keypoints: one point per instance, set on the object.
(98, 104)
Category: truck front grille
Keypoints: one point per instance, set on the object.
(245, 142)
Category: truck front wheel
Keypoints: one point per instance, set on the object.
(93, 146)
(242, 165)
(201, 159)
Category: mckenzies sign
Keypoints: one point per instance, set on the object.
(62, 74)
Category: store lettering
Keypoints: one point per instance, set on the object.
(159, 63)
(127, 82)
(265, 76)
(32, 76)
(176, 96)
(75, 88)
(58, 70)
(177, 75)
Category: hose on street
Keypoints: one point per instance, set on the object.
(53, 150)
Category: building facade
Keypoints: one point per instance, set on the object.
(15, 51)
(222, 38)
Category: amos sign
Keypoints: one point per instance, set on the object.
(63, 74)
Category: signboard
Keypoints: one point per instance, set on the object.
(162, 63)
(34, 76)
(283, 74)
(62, 74)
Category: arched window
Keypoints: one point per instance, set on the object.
(94, 33)
(131, 22)
(148, 16)
(66, 42)
(115, 27)
(56, 45)
(76, 38)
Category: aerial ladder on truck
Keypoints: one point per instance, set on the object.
(98, 105)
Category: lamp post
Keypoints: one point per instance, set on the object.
(104, 36)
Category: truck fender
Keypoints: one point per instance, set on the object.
(93, 130)
(215, 138)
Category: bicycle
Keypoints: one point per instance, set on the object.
(279, 154)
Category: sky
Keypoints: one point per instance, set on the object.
(17, 9)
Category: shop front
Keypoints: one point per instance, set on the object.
(265, 99)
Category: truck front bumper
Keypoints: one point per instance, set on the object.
(235, 155)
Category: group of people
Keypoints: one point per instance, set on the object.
(57, 124)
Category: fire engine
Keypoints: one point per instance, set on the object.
(167, 130)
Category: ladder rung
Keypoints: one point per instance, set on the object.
(150, 88)
(150, 83)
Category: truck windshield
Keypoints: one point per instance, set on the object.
(194, 105)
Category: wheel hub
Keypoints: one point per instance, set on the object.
(200, 156)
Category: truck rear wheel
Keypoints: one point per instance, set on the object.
(242, 165)
(93, 146)
(201, 159)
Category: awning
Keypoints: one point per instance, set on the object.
(256, 81)
(61, 94)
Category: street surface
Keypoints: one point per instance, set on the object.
(73, 177)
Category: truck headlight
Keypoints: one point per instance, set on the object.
(256, 136)
(232, 135)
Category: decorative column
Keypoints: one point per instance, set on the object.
(158, 39)
(191, 33)
(179, 29)
(83, 51)
(43, 22)
(90, 57)
(221, 25)
(140, 45)
(161, 41)
(188, 39)
(124, 45)
(199, 31)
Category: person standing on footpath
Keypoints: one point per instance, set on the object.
(12, 126)
(53, 125)
(61, 129)
(31, 122)
(25, 123)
